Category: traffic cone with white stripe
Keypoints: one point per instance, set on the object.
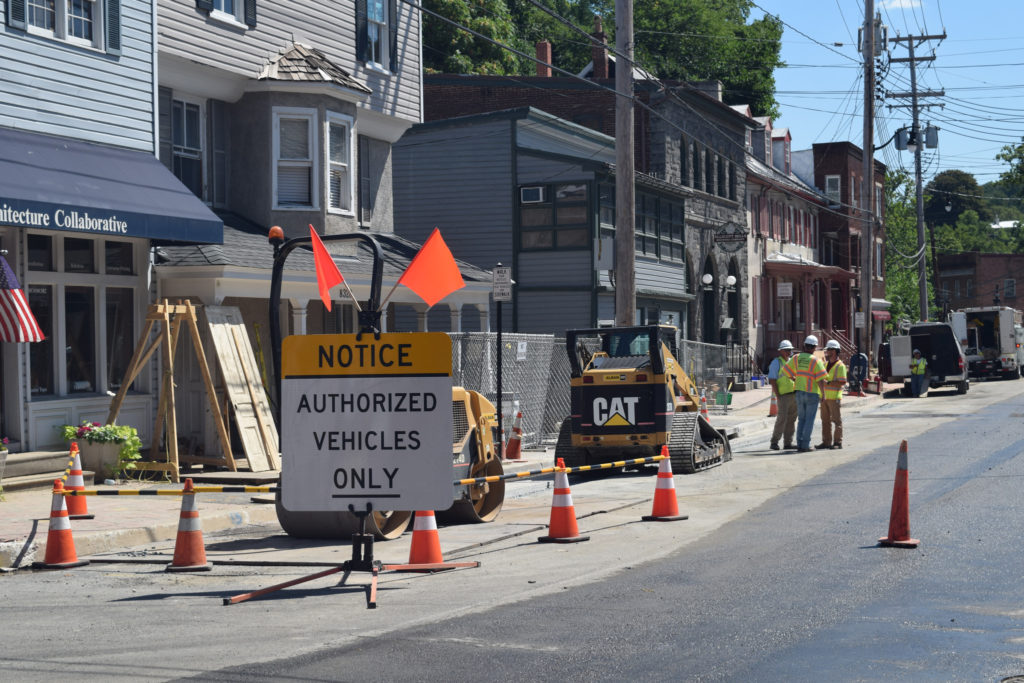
(513, 449)
(704, 408)
(773, 409)
(562, 527)
(60, 546)
(899, 515)
(426, 544)
(189, 551)
(78, 508)
(666, 506)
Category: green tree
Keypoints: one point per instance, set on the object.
(956, 189)
(675, 40)
(695, 40)
(448, 49)
(1014, 156)
(901, 248)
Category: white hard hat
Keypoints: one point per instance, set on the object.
(785, 345)
(811, 340)
(832, 344)
(917, 350)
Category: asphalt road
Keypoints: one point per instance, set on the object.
(776, 576)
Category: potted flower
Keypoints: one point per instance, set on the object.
(106, 449)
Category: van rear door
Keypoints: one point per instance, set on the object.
(900, 351)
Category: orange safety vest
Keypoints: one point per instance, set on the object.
(806, 371)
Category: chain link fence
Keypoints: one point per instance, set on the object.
(536, 370)
(526, 367)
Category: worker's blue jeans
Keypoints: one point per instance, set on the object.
(917, 384)
(806, 411)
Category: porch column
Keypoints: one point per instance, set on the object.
(828, 304)
(808, 296)
(485, 317)
(421, 317)
(455, 316)
(298, 315)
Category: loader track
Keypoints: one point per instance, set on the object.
(695, 445)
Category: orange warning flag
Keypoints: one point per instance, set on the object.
(327, 273)
(433, 273)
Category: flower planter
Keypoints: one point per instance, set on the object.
(100, 458)
(3, 463)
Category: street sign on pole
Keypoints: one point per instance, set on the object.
(501, 283)
(366, 421)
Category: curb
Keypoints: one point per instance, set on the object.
(92, 543)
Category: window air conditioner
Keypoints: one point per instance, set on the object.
(531, 195)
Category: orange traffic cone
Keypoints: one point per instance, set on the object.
(513, 449)
(773, 409)
(426, 544)
(704, 408)
(666, 507)
(899, 516)
(562, 526)
(78, 508)
(189, 552)
(60, 546)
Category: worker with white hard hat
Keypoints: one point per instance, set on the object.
(918, 368)
(831, 417)
(808, 374)
(783, 388)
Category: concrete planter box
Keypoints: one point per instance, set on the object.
(100, 458)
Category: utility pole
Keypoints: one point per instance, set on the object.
(625, 199)
(917, 140)
(867, 240)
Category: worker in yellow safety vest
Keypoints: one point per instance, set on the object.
(808, 375)
(918, 368)
(835, 380)
(785, 396)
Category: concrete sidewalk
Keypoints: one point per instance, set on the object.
(124, 521)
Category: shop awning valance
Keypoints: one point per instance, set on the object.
(56, 183)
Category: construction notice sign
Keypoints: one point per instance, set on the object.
(366, 421)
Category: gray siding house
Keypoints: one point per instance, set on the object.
(530, 190)
(82, 199)
(284, 114)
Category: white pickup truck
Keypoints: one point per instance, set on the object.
(992, 338)
(947, 365)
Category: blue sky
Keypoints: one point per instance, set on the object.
(980, 65)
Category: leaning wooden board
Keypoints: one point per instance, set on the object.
(253, 418)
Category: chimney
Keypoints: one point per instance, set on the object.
(599, 53)
(712, 88)
(544, 55)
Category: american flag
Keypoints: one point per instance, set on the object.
(17, 324)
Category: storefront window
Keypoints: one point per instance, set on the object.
(79, 256)
(119, 259)
(120, 330)
(40, 252)
(80, 352)
(40, 300)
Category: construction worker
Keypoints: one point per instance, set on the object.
(808, 374)
(782, 389)
(831, 417)
(918, 368)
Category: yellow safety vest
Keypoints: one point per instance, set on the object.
(918, 366)
(834, 374)
(806, 371)
(784, 384)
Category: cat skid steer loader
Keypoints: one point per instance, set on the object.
(629, 397)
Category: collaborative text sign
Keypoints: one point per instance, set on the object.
(366, 422)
